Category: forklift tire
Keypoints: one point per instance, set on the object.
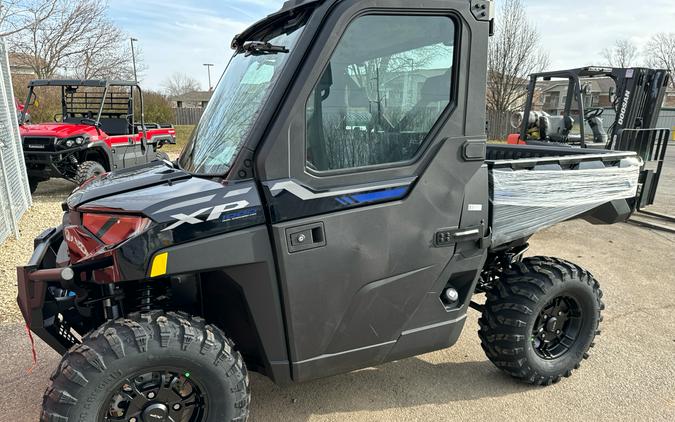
(162, 156)
(540, 321)
(33, 184)
(87, 170)
(150, 366)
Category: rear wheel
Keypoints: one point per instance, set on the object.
(151, 366)
(540, 321)
(87, 170)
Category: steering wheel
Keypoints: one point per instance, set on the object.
(88, 121)
(593, 112)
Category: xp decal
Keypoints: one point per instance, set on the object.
(215, 214)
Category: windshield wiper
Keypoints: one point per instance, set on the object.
(256, 48)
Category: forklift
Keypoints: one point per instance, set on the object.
(636, 97)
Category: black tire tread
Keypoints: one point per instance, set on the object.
(107, 343)
(510, 305)
(86, 171)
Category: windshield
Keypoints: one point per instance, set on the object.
(235, 104)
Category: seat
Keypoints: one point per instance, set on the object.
(115, 126)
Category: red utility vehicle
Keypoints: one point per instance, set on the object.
(95, 132)
(20, 109)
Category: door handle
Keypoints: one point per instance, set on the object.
(302, 238)
(446, 237)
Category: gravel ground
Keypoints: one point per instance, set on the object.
(45, 212)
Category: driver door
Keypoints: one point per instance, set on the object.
(366, 185)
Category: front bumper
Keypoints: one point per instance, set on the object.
(51, 305)
(45, 164)
(39, 313)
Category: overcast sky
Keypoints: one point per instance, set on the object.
(181, 35)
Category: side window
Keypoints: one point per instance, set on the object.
(387, 83)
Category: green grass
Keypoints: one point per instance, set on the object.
(182, 135)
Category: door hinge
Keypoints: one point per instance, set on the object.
(484, 10)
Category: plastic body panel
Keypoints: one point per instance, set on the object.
(372, 293)
(245, 257)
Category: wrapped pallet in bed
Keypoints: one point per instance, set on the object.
(527, 200)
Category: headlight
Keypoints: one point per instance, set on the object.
(112, 229)
(74, 140)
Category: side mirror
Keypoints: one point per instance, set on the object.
(612, 94)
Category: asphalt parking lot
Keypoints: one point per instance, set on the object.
(629, 376)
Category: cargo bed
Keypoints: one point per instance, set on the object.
(534, 187)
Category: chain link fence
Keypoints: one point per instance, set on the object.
(15, 196)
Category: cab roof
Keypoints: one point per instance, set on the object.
(289, 8)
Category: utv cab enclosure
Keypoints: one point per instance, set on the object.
(337, 207)
(95, 131)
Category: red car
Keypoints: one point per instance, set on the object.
(95, 132)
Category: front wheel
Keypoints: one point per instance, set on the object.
(162, 156)
(87, 170)
(151, 366)
(540, 321)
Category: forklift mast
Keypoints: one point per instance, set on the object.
(640, 94)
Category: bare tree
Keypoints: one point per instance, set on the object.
(660, 52)
(514, 53)
(78, 39)
(622, 54)
(107, 55)
(19, 15)
(179, 84)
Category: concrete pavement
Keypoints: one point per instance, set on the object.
(630, 375)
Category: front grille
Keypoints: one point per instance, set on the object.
(39, 143)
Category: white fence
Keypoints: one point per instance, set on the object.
(15, 196)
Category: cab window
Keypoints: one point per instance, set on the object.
(387, 83)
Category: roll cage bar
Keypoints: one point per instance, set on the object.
(69, 88)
